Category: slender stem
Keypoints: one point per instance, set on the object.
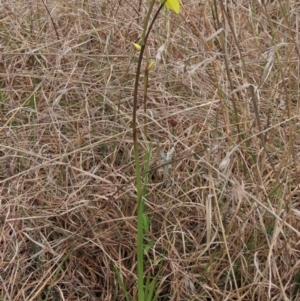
(138, 183)
(145, 35)
(145, 99)
(140, 258)
(153, 20)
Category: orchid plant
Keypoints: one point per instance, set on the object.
(145, 288)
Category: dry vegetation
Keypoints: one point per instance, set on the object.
(223, 218)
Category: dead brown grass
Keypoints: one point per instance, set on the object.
(224, 218)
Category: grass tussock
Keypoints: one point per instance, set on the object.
(224, 216)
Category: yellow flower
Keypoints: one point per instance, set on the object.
(137, 46)
(173, 5)
(150, 65)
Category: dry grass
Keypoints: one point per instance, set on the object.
(224, 217)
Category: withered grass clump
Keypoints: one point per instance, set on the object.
(224, 218)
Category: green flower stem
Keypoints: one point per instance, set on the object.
(140, 254)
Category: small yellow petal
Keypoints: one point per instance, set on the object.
(150, 65)
(173, 5)
(137, 46)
